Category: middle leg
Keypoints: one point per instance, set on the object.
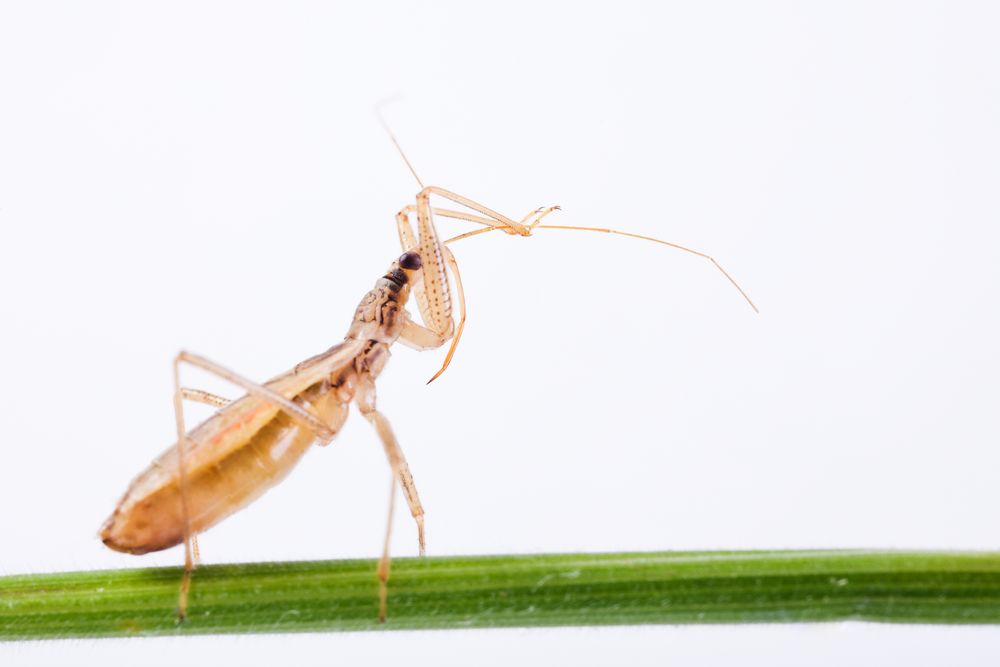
(365, 399)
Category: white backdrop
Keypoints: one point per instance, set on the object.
(211, 176)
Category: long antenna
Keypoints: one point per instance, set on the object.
(385, 126)
(541, 213)
(656, 240)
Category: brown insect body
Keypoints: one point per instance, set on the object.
(250, 445)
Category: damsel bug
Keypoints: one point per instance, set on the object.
(253, 442)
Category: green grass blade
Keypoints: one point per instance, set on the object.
(512, 591)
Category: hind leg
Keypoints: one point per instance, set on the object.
(180, 393)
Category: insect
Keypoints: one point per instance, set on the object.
(251, 443)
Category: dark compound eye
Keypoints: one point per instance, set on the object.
(410, 260)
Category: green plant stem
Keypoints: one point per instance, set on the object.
(512, 591)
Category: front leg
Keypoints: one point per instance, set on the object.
(422, 338)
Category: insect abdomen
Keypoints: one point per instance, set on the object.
(155, 520)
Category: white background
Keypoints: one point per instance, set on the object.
(211, 176)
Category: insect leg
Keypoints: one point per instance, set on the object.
(433, 298)
(385, 561)
(457, 215)
(294, 410)
(408, 240)
(400, 472)
(453, 265)
(437, 315)
(491, 226)
(421, 338)
(504, 221)
(400, 469)
(201, 396)
(365, 398)
(430, 296)
(198, 396)
(182, 595)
